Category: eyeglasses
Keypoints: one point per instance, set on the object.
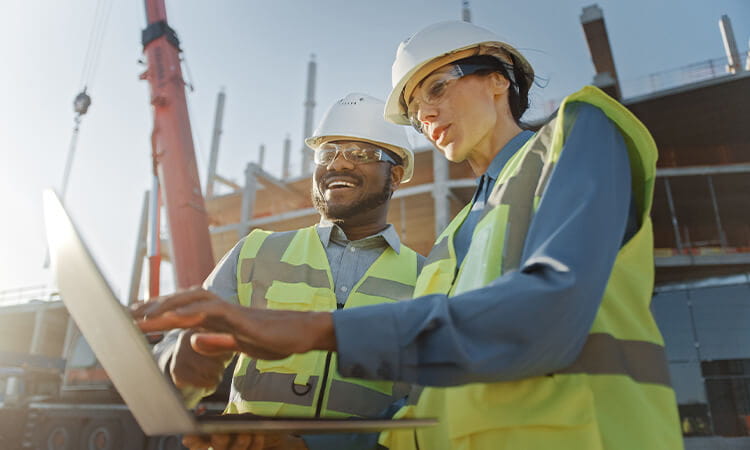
(356, 152)
(431, 90)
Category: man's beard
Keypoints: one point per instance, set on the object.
(339, 213)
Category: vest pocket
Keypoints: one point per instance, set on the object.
(290, 296)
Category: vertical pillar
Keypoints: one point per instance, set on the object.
(248, 200)
(592, 20)
(309, 110)
(440, 191)
(70, 334)
(154, 243)
(218, 120)
(465, 11)
(285, 174)
(734, 64)
(261, 155)
(140, 253)
(37, 338)
(675, 224)
(717, 217)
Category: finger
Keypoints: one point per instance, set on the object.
(171, 302)
(189, 368)
(242, 442)
(169, 321)
(213, 344)
(220, 441)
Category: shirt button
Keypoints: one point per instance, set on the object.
(352, 249)
(344, 288)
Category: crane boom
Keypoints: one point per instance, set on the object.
(173, 151)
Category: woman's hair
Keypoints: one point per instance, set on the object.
(520, 81)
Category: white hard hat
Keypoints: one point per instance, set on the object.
(437, 45)
(360, 117)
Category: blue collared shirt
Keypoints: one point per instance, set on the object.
(462, 239)
(527, 322)
(349, 260)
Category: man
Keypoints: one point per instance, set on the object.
(532, 326)
(351, 258)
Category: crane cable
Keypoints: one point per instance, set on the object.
(90, 64)
(82, 101)
(96, 38)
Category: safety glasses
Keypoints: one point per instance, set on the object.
(431, 90)
(356, 152)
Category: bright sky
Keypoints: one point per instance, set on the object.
(259, 52)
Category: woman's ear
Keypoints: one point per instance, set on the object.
(499, 83)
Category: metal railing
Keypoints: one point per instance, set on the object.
(668, 79)
(655, 82)
(26, 294)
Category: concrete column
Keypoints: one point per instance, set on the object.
(37, 338)
(248, 200)
(218, 120)
(70, 333)
(285, 173)
(140, 252)
(465, 11)
(592, 20)
(261, 155)
(734, 64)
(440, 193)
(309, 110)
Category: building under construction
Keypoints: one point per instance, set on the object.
(701, 218)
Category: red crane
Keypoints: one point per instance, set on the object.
(174, 155)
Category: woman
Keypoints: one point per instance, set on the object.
(548, 272)
(532, 326)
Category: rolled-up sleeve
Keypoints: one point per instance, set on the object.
(527, 322)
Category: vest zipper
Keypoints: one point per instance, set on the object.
(323, 383)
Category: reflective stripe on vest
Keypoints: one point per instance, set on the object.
(289, 270)
(616, 395)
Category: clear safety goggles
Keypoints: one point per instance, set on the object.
(431, 90)
(355, 152)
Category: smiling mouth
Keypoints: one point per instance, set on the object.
(337, 183)
(340, 185)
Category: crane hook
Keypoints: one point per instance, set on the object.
(81, 103)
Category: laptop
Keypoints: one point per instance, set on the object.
(125, 354)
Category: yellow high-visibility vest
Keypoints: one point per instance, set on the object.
(617, 394)
(290, 271)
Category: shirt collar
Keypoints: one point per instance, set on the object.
(507, 152)
(329, 231)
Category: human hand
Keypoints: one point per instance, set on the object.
(244, 442)
(197, 366)
(223, 326)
